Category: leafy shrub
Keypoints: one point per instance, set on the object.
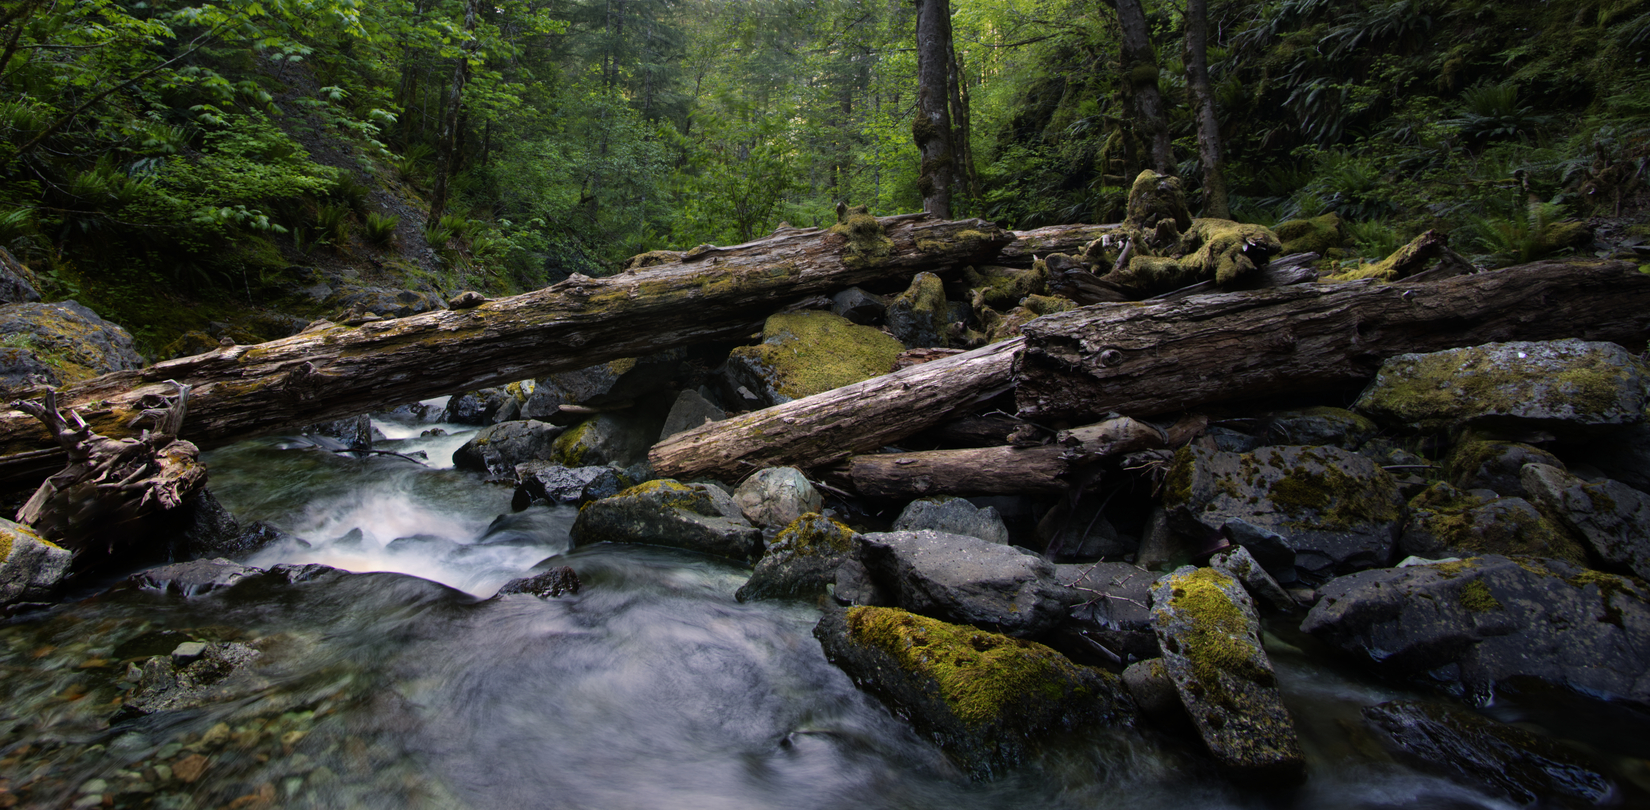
(1374, 239)
(1491, 112)
(1539, 234)
(380, 229)
(332, 223)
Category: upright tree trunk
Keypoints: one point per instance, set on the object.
(446, 144)
(1203, 100)
(932, 126)
(1140, 74)
(967, 178)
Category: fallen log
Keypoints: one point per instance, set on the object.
(1028, 246)
(1153, 358)
(827, 428)
(335, 371)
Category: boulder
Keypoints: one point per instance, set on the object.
(496, 450)
(31, 567)
(201, 527)
(68, 338)
(1154, 692)
(550, 584)
(614, 439)
(982, 697)
(802, 560)
(859, 306)
(919, 317)
(1613, 519)
(487, 406)
(1330, 427)
(1109, 620)
(1522, 766)
(1446, 522)
(853, 586)
(1463, 627)
(1495, 465)
(967, 580)
(17, 281)
(1210, 636)
(1566, 387)
(697, 517)
(953, 516)
(1240, 565)
(21, 370)
(1304, 512)
(690, 410)
(194, 578)
(777, 496)
(806, 353)
(416, 413)
(550, 483)
(354, 432)
(612, 385)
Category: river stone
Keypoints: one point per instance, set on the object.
(168, 685)
(1611, 517)
(17, 281)
(1568, 387)
(1495, 465)
(1446, 522)
(1304, 512)
(355, 432)
(616, 439)
(964, 579)
(1108, 607)
(194, 578)
(859, 306)
(550, 584)
(486, 406)
(777, 496)
(806, 353)
(1210, 635)
(980, 696)
(550, 483)
(1330, 427)
(1240, 565)
(953, 516)
(201, 527)
(614, 384)
(1462, 627)
(919, 316)
(30, 565)
(698, 517)
(801, 561)
(1525, 767)
(1154, 692)
(496, 450)
(70, 338)
(689, 411)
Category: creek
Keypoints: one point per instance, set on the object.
(651, 688)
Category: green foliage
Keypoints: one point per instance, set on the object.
(1539, 234)
(379, 229)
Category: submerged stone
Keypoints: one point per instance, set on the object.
(550, 584)
(194, 578)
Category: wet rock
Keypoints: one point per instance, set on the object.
(1495, 465)
(1613, 519)
(486, 406)
(1327, 427)
(698, 517)
(1154, 692)
(69, 338)
(1463, 627)
(801, 561)
(1303, 512)
(859, 306)
(194, 578)
(1240, 565)
(549, 483)
(854, 586)
(1109, 620)
(202, 527)
(980, 696)
(964, 579)
(416, 413)
(498, 449)
(1506, 759)
(1210, 636)
(806, 353)
(919, 316)
(17, 282)
(777, 496)
(688, 412)
(617, 439)
(1446, 522)
(31, 567)
(953, 516)
(1567, 387)
(214, 675)
(355, 432)
(550, 584)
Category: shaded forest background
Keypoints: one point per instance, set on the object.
(175, 166)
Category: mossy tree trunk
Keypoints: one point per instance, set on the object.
(931, 128)
(1209, 147)
(1140, 77)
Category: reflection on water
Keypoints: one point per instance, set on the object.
(651, 688)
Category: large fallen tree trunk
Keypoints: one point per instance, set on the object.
(338, 371)
(1156, 358)
(1029, 246)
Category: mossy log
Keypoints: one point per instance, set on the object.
(827, 428)
(336, 371)
(1152, 358)
(1028, 246)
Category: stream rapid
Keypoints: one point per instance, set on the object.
(403, 684)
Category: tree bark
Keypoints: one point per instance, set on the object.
(932, 126)
(1209, 149)
(1140, 76)
(334, 371)
(1157, 358)
(827, 428)
(1068, 239)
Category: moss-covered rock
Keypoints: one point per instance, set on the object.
(652, 258)
(497, 450)
(1321, 235)
(1568, 387)
(1322, 426)
(1155, 198)
(1224, 251)
(30, 565)
(866, 242)
(984, 698)
(1494, 465)
(613, 439)
(1446, 522)
(806, 353)
(1210, 636)
(1611, 518)
(802, 559)
(919, 317)
(614, 384)
(69, 338)
(698, 517)
(1005, 287)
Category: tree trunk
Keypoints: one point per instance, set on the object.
(1209, 149)
(337, 371)
(1165, 357)
(932, 126)
(1140, 75)
(827, 428)
(447, 143)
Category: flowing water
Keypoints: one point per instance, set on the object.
(651, 688)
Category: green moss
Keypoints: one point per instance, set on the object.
(1334, 500)
(813, 352)
(1318, 235)
(1155, 198)
(1476, 597)
(867, 241)
(1002, 287)
(813, 533)
(1217, 249)
(1217, 641)
(1049, 304)
(1177, 485)
(1609, 586)
(652, 258)
(980, 676)
(1473, 378)
(570, 448)
(1471, 524)
(8, 537)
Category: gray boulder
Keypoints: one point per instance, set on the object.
(953, 516)
(31, 567)
(17, 281)
(1464, 627)
(354, 432)
(962, 579)
(614, 384)
(1109, 620)
(1446, 522)
(497, 450)
(689, 411)
(615, 439)
(697, 517)
(1305, 513)
(1495, 465)
(802, 560)
(21, 370)
(486, 406)
(777, 496)
(1210, 635)
(1155, 693)
(550, 483)
(1327, 427)
(68, 338)
(1567, 387)
(859, 306)
(194, 578)
(1611, 517)
(1240, 565)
